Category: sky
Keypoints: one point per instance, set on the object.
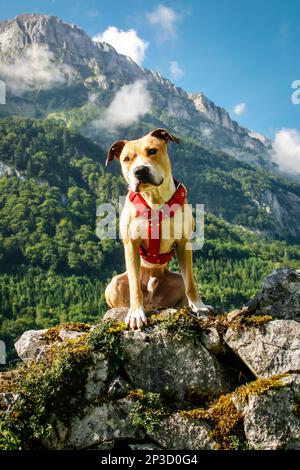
(242, 54)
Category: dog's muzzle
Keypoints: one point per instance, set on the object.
(142, 173)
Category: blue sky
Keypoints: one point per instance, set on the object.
(238, 52)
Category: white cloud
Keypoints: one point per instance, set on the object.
(286, 150)
(166, 19)
(125, 42)
(130, 103)
(36, 69)
(239, 109)
(175, 70)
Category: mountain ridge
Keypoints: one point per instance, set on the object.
(101, 68)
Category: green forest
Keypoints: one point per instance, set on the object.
(53, 268)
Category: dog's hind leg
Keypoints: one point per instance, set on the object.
(117, 291)
(183, 302)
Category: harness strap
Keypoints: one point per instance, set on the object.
(155, 218)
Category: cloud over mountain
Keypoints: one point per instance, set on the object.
(240, 109)
(286, 152)
(36, 69)
(125, 42)
(130, 103)
(166, 21)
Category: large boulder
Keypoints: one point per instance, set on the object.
(158, 362)
(189, 363)
(31, 344)
(34, 343)
(270, 349)
(96, 427)
(280, 295)
(271, 420)
(178, 433)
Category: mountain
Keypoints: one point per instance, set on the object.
(54, 70)
(96, 69)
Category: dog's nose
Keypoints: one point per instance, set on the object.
(141, 171)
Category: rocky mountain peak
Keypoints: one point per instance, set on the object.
(27, 29)
(98, 67)
(215, 113)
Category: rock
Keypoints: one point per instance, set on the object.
(144, 446)
(235, 314)
(96, 377)
(120, 420)
(280, 295)
(195, 367)
(178, 433)
(293, 445)
(270, 421)
(118, 314)
(97, 427)
(67, 334)
(7, 400)
(158, 362)
(270, 349)
(31, 344)
(211, 339)
(118, 388)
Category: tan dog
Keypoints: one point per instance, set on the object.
(148, 284)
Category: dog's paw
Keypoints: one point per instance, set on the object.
(200, 308)
(136, 318)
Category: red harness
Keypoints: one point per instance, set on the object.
(155, 218)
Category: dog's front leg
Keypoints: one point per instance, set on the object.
(136, 315)
(185, 260)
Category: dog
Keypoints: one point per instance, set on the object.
(156, 223)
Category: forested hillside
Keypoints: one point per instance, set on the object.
(53, 268)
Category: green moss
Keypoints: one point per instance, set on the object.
(239, 443)
(105, 338)
(223, 415)
(259, 387)
(52, 334)
(52, 388)
(148, 409)
(184, 323)
(7, 381)
(45, 389)
(8, 440)
(180, 324)
(256, 320)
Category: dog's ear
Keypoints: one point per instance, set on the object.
(164, 135)
(115, 151)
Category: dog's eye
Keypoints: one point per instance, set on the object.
(126, 159)
(152, 151)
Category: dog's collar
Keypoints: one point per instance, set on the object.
(155, 218)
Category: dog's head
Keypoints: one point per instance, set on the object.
(145, 162)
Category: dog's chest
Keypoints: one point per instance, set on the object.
(171, 229)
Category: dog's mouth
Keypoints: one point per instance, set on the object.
(145, 183)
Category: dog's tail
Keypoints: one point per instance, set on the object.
(152, 284)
